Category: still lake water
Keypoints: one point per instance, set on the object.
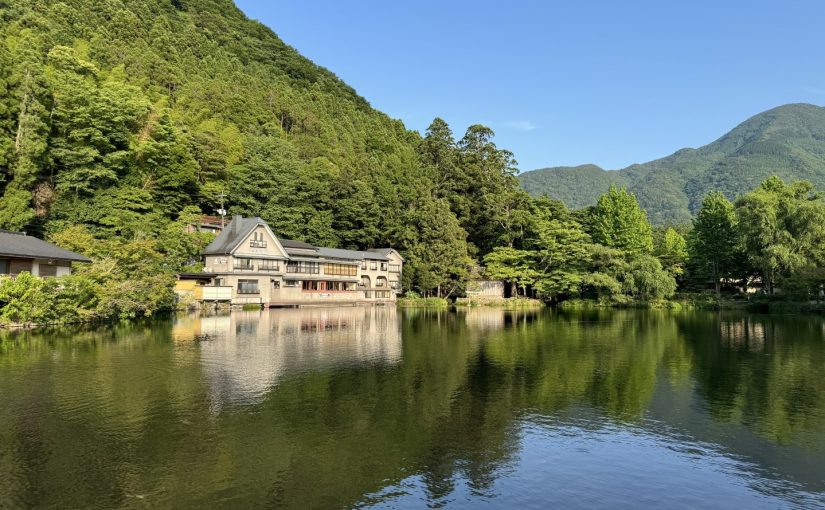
(374, 407)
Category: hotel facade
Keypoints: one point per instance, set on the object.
(248, 264)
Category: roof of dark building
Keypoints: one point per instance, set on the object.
(16, 244)
(337, 253)
(232, 235)
(237, 230)
(384, 251)
(296, 245)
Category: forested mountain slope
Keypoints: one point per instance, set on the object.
(122, 120)
(788, 141)
(147, 106)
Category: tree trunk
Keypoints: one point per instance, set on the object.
(513, 289)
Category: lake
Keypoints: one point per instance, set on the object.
(378, 407)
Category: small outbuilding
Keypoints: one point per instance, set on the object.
(20, 252)
(486, 289)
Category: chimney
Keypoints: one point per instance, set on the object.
(236, 222)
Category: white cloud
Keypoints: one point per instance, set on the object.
(520, 125)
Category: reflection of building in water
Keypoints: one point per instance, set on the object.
(485, 318)
(743, 333)
(245, 353)
(488, 318)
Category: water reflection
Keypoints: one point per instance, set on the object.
(244, 354)
(332, 408)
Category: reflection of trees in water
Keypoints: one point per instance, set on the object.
(609, 361)
(763, 372)
(333, 422)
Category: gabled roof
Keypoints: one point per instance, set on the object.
(385, 251)
(232, 235)
(239, 228)
(15, 244)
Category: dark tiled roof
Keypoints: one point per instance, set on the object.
(232, 235)
(13, 244)
(336, 253)
(297, 245)
(237, 230)
(384, 251)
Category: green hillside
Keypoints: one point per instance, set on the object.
(123, 120)
(788, 141)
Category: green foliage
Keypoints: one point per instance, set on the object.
(714, 241)
(618, 222)
(782, 228)
(785, 141)
(513, 266)
(121, 122)
(413, 300)
(648, 281)
(125, 117)
(672, 251)
(27, 299)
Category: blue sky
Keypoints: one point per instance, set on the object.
(567, 83)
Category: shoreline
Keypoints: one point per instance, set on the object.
(687, 303)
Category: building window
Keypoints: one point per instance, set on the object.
(245, 264)
(303, 267)
(291, 283)
(395, 268)
(45, 270)
(325, 286)
(310, 285)
(268, 265)
(4, 267)
(257, 240)
(373, 265)
(364, 265)
(393, 284)
(248, 287)
(383, 266)
(340, 270)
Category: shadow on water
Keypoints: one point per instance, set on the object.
(343, 407)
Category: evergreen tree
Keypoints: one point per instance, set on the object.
(672, 251)
(713, 246)
(617, 221)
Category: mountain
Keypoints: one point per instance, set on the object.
(787, 141)
(120, 114)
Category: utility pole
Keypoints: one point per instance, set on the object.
(222, 210)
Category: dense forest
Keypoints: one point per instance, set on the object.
(122, 121)
(788, 141)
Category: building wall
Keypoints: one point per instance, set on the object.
(33, 266)
(485, 289)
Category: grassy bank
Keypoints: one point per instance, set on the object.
(591, 304)
(703, 301)
(422, 302)
(506, 303)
